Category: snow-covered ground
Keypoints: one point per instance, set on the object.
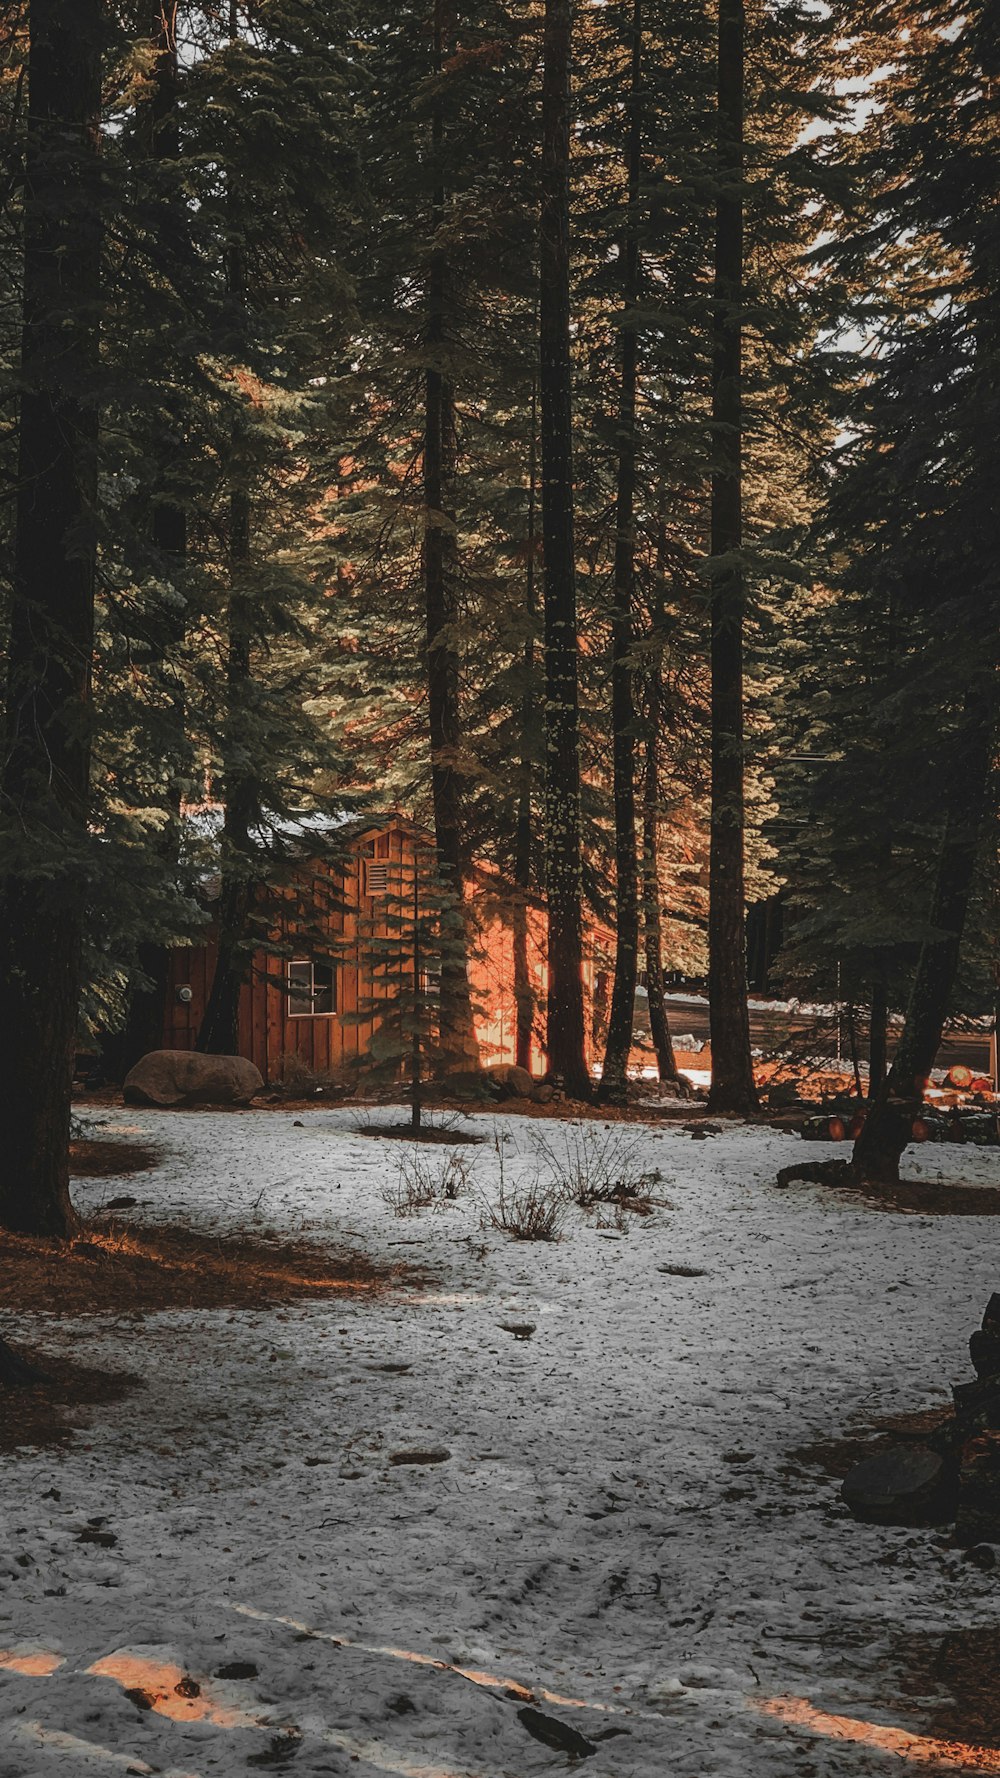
(616, 1528)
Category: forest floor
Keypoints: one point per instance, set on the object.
(471, 1507)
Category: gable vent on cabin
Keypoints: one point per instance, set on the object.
(376, 876)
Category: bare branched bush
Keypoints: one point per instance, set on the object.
(529, 1209)
(593, 1166)
(424, 1179)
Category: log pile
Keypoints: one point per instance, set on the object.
(976, 1124)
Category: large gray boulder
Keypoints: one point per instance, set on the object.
(183, 1077)
(506, 1081)
(903, 1485)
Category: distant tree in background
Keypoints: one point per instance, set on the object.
(563, 839)
(404, 943)
(912, 513)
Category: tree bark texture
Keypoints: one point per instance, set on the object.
(659, 1023)
(878, 1032)
(219, 1033)
(621, 1019)
(889, 1125)
(239, 876)
(524, 999)
(732, 1068)
(46, 765)
(143, 1030)
(440, 564)
(563, 852)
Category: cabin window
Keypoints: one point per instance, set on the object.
(312, 989)
(376, 876)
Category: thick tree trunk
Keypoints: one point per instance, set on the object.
(563, 849)
(416, 1057)
(889, 1124)
(619, 1040)
(44, 786)
(659, 1023)
(524, 999)
(732, 1069)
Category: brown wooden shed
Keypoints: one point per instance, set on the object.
(301, 1007)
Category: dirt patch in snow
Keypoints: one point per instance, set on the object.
(964, 1665)
(910, 1197)
(838, 1456)
(91, 1159)
(113, 1269)
(922, 1197)
(36, 1416)
(429, 1134)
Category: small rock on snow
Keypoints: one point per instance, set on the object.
(554, 1733)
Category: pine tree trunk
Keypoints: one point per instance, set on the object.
(620, 1023)
(659, 1023)
(889, 1124)
(416, 1059)
(44, 786)
(852, 1047)
(146, 1014)
(220, 1026)
(440, 566)
(563, 851)
(878, 1033)
(732, 1068)
(524, 999)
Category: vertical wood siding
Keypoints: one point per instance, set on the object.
(332, 1043)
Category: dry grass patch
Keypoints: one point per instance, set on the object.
(113, 1269)
(838, 1456)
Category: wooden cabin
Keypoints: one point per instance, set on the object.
(311, 1002)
